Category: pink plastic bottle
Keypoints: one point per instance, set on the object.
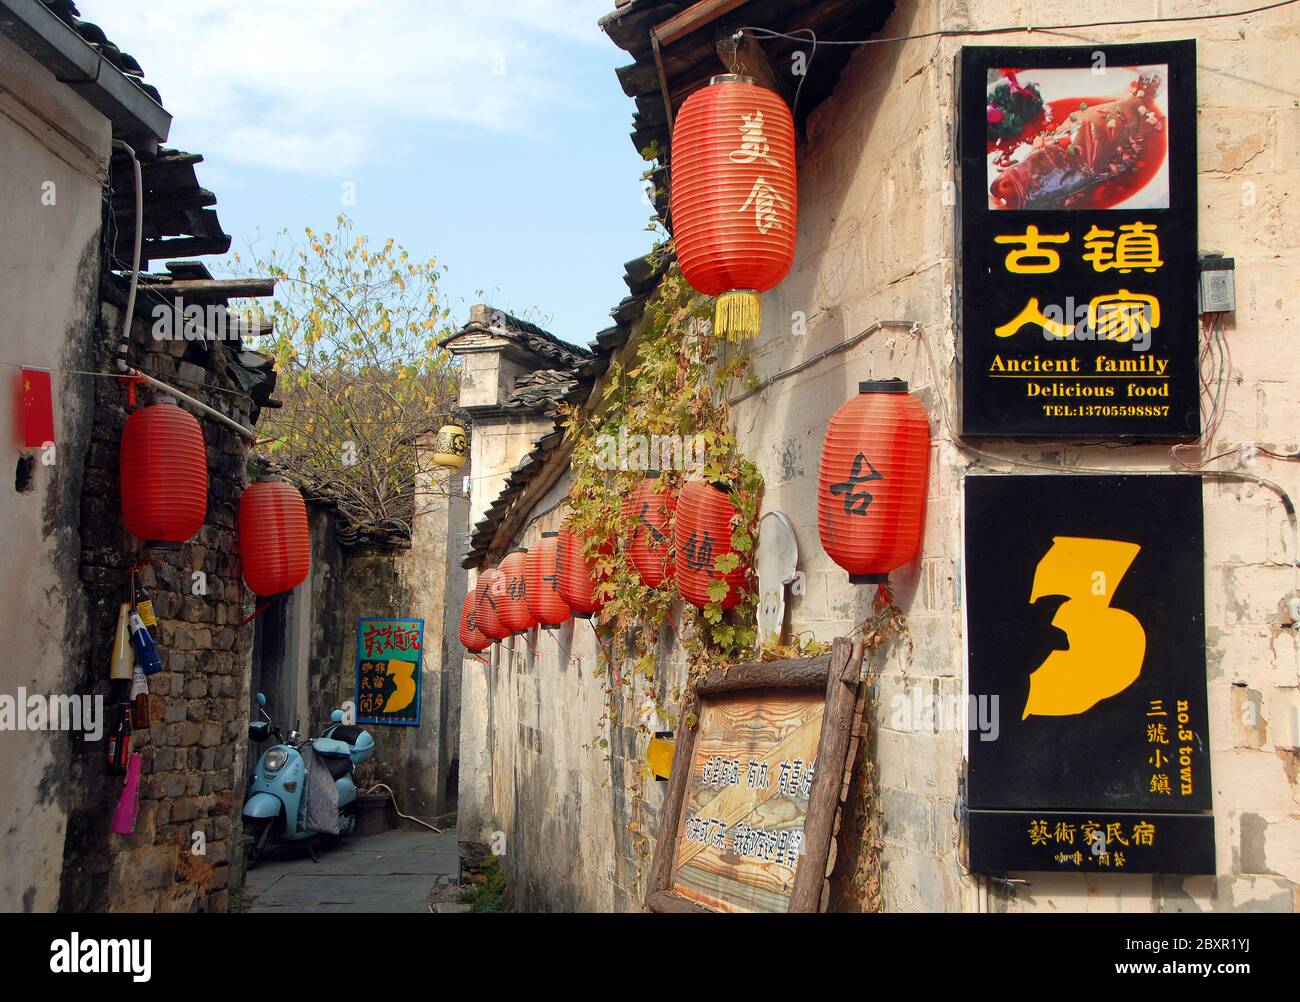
(129, 805)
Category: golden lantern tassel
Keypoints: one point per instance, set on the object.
(738, 315)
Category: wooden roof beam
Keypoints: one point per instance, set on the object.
(744, 55)
(216, 290)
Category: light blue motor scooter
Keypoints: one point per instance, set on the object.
(274, 808)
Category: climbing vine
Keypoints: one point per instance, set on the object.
(674, 389)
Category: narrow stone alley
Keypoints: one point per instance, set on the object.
(395, 872)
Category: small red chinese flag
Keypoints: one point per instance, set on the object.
(37, 408)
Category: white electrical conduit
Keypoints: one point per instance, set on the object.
(124, 343)
(393, 796)
(211, 412)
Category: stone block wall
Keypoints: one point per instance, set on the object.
(194, 753)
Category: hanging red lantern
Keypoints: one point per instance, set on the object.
(471, 637)
(701, 536)
(515, 614)
(734, 197)
(274, 544)
(649, 511)
(164, 474)
(874, 471)
(541, 568)
(487, 605)
(578, 576)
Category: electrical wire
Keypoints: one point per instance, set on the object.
(408, 817)
(834, 349)
(1288, 505)
(758, 33)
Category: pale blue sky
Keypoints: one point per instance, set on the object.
(491, 134)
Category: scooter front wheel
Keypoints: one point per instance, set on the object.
(256, 834)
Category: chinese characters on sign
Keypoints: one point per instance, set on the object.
(1078, 261)
(388, 671)
(1090, 632)
(742, 829)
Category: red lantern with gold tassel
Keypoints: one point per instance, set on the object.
(578, 576)
(541, 568)
(649, 511)
(471, 637)
(164, 474)
(874, 471)
(701, 536)
(487, 605)
(734, 197)
(274, 543)
(515, 614)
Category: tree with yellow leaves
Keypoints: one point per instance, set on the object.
(363, 381)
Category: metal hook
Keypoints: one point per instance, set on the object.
(735, 50)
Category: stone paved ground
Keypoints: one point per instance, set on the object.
(398, 871)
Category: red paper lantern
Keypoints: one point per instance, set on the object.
(471, 637)
(874, 471)
(274, 544)
(578, 577)
(487, 604)
(515, 614)
(702, 535)
(164, 474)
(541, 568)
(649, 510)
(734, 197)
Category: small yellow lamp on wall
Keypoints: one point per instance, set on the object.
(451, 448)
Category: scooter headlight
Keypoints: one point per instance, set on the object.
(275, 760)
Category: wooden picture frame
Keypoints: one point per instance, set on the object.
(837, 673)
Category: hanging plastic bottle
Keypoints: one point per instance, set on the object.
(118, 752)
(143, 603)
(146, 651)
(139, 701)
(122, 665)
(128, 806)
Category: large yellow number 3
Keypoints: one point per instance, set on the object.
(403, 675)
(1107, 646)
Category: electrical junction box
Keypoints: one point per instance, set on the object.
(1218, 284)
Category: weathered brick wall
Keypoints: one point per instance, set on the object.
(194, 752)
(349, 584)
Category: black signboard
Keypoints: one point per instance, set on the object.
(1086, 646)
(1078, 242)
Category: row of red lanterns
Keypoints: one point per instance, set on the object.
(164, 480)
(543, 587)
(553, 581)
(871, 495)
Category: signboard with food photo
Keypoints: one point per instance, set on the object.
(1078, 242)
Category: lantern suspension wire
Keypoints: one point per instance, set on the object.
(834, 349)
(760, 33)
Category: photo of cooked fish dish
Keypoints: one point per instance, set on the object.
(1077, 139)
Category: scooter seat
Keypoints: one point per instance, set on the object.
(347, 733)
